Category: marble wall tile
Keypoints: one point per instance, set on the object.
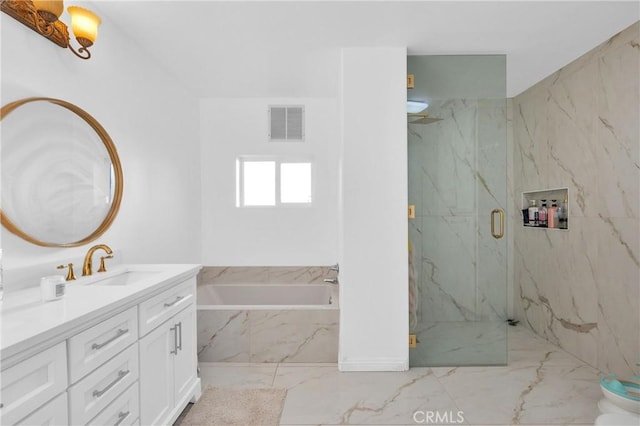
(491, 273)
(580, 288)
(618, 292)
(626, 36)
(448, 290)
(234, 274)
(264, 336)
(298, 274)
(574, 154)
(449, 162)
(492, 157)
(618, 126)
(559, 288)
(223, 336)
(462, 164)
(294, 336)
(531, 153)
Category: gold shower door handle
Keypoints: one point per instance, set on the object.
(500, 213)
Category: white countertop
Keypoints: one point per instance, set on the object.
(28, 322)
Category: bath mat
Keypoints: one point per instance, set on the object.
(241, 407)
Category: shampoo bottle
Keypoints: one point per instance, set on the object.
(533, 213)
(552, 215)
(542, 214)
(563, 215)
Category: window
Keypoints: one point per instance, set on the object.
(272, 182)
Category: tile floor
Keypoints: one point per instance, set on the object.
(542, 385)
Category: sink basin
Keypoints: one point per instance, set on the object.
(126, 278)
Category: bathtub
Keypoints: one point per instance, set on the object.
(267, 323)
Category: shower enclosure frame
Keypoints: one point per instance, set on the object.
(458, 183)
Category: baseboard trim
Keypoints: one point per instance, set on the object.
(367, 364)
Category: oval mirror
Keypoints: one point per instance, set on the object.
(61, 175)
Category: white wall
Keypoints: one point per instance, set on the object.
(267, 236)
(152, 122)
(373, 230)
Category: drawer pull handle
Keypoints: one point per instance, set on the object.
(168, 305)
(121, 417)
(121, 375)
(121, 332)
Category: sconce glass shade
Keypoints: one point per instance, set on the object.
(414, 107)
(53, 7)
(84, 24)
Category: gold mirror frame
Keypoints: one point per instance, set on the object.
(115, 161)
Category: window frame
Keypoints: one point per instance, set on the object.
(278, 160)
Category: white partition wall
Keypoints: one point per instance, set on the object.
(373, 211)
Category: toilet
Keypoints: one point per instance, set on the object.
(621, 403)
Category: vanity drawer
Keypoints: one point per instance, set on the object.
(93, 347)
(93, 393)
(53, 413)
(124, 411)
(32, 382)
(160, 308)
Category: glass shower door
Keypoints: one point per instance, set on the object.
(457, 182)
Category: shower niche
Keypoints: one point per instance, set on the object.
(556, 202)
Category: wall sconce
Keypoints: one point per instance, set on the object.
(42, 17)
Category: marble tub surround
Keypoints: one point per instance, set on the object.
(264, 274)
(268, 335)
(580, 129)
(287, 333)
(542, 385)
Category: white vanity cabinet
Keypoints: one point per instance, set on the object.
(168, 359)
(129, 361)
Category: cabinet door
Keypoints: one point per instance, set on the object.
(156, 374)
(185, 364)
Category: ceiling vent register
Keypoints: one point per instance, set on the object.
(286, 123)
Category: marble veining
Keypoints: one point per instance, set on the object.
(579, 128)
(542, 385)
(264, 274)
(519, 410)
(268, 335)
(457, 177)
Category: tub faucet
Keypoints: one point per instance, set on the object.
(86, 266)
(331, 280)
(335, 267)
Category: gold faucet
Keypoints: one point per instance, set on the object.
(86, 266)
